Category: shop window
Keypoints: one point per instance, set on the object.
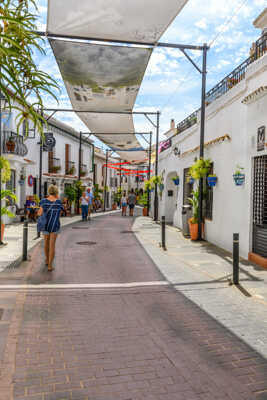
(188, 187)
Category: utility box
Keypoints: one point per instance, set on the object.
(186, 215)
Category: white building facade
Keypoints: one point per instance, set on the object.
(235, 135)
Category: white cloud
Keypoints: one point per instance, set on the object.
(202, 23)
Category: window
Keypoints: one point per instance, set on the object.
(11, 184)
(188, 187)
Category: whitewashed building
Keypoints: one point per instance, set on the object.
(235, 135)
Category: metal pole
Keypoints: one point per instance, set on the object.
(236, 258)
(148, 174)
(156, 200)
(202, 134)
(105, 186)
(79, 174)
(163, 233)
(25, 241)
(41, 163)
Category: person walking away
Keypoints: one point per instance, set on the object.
(90, 197)
(131, 202)
(52, 206)
(123, 204)
(84, 206)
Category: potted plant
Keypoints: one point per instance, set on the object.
(147, 185)
(71, 170)
(212, 180)
(144, 202)
(55, 168)
(83, 173)
(200, 168)
(238, 176)
(70, 193)
(6, 195)
(176, 180)
(10, 144)
(193, 222)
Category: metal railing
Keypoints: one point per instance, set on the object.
(258, 49)
(13, 144)
(54, 165)
(70, 168)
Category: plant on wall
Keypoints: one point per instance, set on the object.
(20, 77)
(239, 176)
(200, 168)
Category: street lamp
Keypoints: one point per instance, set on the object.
(3, 101)
(176, 151)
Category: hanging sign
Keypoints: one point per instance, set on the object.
(49, 142)
(30, 180)
(261, 138)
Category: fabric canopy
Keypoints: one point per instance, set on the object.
(106, 78)
(129, 20)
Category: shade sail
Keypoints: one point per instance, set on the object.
(104, 78)
(129, 20)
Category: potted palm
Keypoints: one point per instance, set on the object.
(6, 195)
(193, 222)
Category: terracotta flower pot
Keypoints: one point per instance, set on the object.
(193, 228)
(145, 212)
(2, 231)
(114, 206)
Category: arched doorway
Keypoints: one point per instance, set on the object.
(171, 194)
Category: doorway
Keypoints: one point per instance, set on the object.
(259, 240)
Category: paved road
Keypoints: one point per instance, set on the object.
(122, 342)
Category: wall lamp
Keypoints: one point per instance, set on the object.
(176, 151)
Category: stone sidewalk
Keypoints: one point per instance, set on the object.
(203, 273)
(11, 254)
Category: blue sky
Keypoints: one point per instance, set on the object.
(171, 84)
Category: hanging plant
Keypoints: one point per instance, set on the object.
(200, 168)
(212, 180)
(5, 169)
(147, 185)
(239, 176)
(156, 180)
(176, 180)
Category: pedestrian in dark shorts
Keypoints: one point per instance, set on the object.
(131, 202)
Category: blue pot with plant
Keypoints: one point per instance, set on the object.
(212, 180)
(176, 180)
(239, 176)
(191, 180)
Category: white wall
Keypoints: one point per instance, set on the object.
(232, 205)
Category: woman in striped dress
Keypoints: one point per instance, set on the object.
(52, 206)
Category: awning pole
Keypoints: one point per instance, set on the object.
(156, 200)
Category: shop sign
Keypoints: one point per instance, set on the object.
(261, 138)
(49, 141)
(165, 145)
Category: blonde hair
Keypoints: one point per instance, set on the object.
(53, 190)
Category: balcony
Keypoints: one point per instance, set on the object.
(258, 49)
(13, 144)
(84, 170)
(54, 166)
(70, 168)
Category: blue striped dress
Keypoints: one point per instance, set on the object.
(52, 209)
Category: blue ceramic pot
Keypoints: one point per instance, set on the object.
(176, 181)
(191, 181)
(212, 180)
(239, 179)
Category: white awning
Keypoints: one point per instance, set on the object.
(129, 20)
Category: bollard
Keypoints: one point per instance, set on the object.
(163, 233)
(236, 258)
(25, 241)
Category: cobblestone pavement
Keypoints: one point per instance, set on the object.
(115, 342)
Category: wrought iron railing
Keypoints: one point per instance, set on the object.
(13, 144)
(54, 165)
(258, 49)
(70, 168)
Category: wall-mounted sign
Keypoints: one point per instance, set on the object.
(170, 193)
(165, 145)
(261, 138)
(30, 180)
(49, 142)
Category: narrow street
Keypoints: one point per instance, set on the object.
(110, 327)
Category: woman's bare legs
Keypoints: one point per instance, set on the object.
(52, 245)
(46, 248)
